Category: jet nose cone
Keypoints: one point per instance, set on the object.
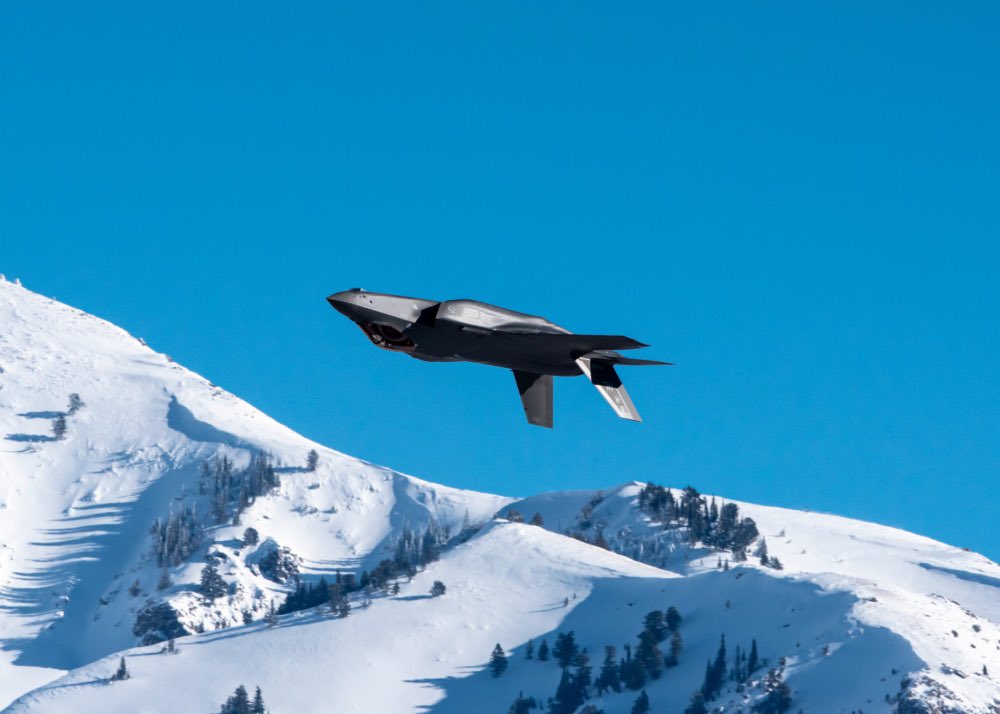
(343, 301)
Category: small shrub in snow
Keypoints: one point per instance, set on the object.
(522, 705)
(75, 403)
(59, 428)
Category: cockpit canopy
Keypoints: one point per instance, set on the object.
(491, 317)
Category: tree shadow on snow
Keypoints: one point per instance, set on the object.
(30, 438)
(62, 587)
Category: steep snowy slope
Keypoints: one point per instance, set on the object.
(75, 512)
(944, 601)
(862, 617)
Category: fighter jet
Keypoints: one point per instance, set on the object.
(533, 348)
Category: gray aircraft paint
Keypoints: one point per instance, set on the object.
(471, 331)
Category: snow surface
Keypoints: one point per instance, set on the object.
(858, 608)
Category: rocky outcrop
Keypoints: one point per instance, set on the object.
(158, 622)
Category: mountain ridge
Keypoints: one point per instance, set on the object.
(75, 514)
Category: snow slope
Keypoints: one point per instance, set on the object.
(74, 513)
(858, 609)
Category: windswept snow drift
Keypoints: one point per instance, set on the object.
(858, 609)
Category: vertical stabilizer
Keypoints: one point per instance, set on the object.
(536, 397)
(603, 376)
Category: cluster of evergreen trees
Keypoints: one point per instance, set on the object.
(745, 663)
(322, 593)
(175, 540)
(239, 703)
(232, 491)
(646, 662)
(770, 561)
(415, 550)
(778, 697)
(707, 522)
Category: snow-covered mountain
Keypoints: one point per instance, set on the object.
(110, 511)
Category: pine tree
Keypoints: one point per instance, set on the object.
(272, 615)
(251, 536)
(676, 644)
(649, 656)
(632, 673)
(565, 648)
(537, 520)
(697, 705)
(498, 661)
(608, 677)
(655, 623)
(59, 428)
(438, 589)
(529, 650)
(121, 673)
(641, 705)
(164, 582)
(543, 651)
(753, 663)
(239, 703)
(715, 673)
(565, 699)
(212, 584)
(708, 683)
(761, 551)
(582, 674)
(258, 703)
(672, 618)
(720, 662)
(312, 460)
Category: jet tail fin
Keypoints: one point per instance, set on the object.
(602, 375)
(536, 397)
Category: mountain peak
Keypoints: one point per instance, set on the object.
(140, 502)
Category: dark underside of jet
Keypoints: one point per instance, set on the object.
(533, 348)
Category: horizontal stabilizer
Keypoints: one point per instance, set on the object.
(616, 358)
(536, 397)
(602, 375)
(580, 344)
(633, 361)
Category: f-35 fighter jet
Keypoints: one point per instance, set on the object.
(469, 331)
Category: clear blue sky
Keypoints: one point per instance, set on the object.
(797, 202)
